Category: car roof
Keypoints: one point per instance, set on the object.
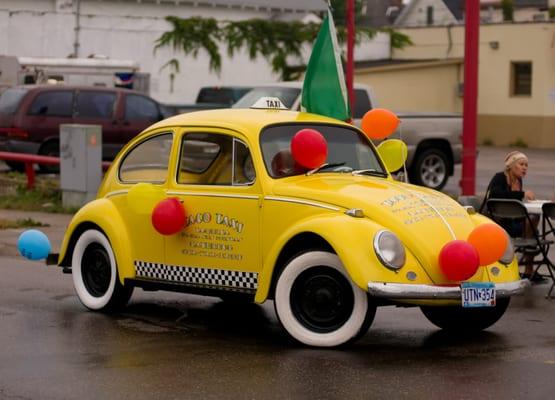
(245, 120)
(45, 87)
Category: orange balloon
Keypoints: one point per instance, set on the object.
(379, 123)
(490, 240)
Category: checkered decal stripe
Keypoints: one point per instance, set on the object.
(244, 281)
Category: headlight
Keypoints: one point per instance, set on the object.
(509, 253)
(389, 249)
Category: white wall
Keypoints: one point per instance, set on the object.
(128, 30)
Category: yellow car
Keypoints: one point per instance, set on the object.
(327, 245)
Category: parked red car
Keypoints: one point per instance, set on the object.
(30, 116)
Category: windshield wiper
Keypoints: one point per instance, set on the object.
(325, 166)
(371, 172)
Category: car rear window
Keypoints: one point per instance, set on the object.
(221, 95)
(53, 103)
(93, 104)
(140, 108)
(287, 96)
(10, 99)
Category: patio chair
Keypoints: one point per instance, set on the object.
(503, 211)
(548, 227)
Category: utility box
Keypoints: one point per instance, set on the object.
(80, 163)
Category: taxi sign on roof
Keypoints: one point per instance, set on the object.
(269, 103)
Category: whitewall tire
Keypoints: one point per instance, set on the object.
(318, 304)
(95, 274)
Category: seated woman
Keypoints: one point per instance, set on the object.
(508, 185)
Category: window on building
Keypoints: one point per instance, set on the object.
(430, 15)
(521, 78)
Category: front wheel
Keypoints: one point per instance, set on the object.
(318, 304)
(465, 319)
(430, 169)
(95, 274)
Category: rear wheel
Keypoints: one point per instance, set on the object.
(52, 149)
(318, 304)
(95, 275)
(430, 169)
(465, 319)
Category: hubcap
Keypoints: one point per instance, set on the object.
(433, 171)
(322, 299)
(96, 270)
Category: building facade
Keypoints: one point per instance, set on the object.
(516, 88)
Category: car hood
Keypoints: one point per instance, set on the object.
(424, 219)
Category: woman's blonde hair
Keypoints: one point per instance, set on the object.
(513, 157)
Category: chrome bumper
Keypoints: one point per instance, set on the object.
(433, 292)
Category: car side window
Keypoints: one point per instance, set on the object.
(214, 159)
(362, 103)
(93, 104)
(148, 161)
(53, 103)
(140, 108)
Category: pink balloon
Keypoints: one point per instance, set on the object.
(168, 216)
(458, 260)
(309, 148)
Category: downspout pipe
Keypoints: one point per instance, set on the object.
(77, 28)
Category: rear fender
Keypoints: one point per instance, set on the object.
(100, 214)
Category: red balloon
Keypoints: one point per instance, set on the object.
(379, 123)
(490, 240)
(458, 260)
(309, 148)
(168, 216)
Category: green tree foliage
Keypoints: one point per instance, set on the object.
(276, 41)
(508, 8)
(339, 10)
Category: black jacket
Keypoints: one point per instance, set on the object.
(499, 188)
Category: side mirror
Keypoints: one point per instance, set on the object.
(393, 153)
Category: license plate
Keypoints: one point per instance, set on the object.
(477, 294)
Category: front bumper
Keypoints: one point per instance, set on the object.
(406, 291)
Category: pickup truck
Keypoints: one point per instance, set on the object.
(211, 97)
(433, 139)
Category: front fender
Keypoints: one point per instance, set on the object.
(103, 214)
(351, 238)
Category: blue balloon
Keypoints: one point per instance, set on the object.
(33, 244)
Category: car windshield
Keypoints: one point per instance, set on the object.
(10, 99)
(348, 150)
(287, 95)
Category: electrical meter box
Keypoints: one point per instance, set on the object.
(80, 163)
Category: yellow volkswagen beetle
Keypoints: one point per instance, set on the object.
(327, 246)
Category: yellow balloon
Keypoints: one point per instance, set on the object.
(393, 153)
(142, 197)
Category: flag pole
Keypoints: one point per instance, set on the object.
(350, 24)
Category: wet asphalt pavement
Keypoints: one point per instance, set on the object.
(175, 346)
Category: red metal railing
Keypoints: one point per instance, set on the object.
(29, 160)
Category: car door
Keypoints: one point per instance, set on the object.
(216, 181)
(146, 163)
(97, 107)
(47, 111)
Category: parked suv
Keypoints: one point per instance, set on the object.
(30, 117)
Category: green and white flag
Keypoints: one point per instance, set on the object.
(324, 88)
